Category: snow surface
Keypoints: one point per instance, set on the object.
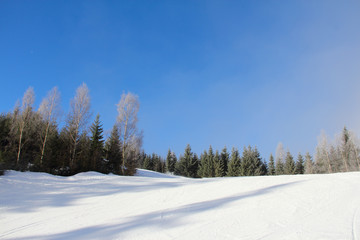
(157, 206)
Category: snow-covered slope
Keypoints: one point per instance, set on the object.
(157, 206)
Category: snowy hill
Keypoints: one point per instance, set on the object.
(157, 206)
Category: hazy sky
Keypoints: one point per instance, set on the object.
(231, 73)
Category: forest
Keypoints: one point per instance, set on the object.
(31, 140)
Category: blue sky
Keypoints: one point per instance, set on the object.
(231, 73)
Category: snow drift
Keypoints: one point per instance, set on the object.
(158, 206)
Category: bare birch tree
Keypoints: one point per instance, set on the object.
(130, 137)
(355, 147)
(49, 111)
(279, 159)
(24, 118)
(322, 159)
(78, 118)
(308, 164)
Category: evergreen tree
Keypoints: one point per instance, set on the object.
(209, 164)
(170, 162)
(260, 166)
(148, 163)
(224, 158)
(203, 160)
(96, 145)
(113, 151)
(5, 154)
(188, 164)
(271, 165)
(218, 166)
(251, 164)
(299, 165)
(289, 167)
(234, 164)
(247, 165)
(309, 165)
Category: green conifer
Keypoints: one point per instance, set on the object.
(299, 165)
(271, 165)
(234, 164)
(96, 144)
(289, 167)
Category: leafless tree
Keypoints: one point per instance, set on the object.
(78, 118)
(49, 111)
(355, 143)
(279, 159)
(24, 117)
(130, 137)
(308, 164)
(322, 159)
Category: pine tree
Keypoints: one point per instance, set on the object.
(234, 164)
(209, 164)
(97, 144)
(203, 160)
(260, 165)
(206, 168)
(113, 151)
(289, 167)
(218, 167)
(170, 162)
(299, 165)
(224, 158)
(148, 163)
(188, 164)
(271, 165)
(247, 165)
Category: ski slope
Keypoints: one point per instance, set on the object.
(157, 206)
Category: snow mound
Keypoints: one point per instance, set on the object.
(91, 175)
(152, 174)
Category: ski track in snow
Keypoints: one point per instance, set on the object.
(157, 206)
(356, 223)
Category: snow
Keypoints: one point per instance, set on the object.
(159, 206)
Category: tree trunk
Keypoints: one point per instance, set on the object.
(19, 149)
(124, 147)
(44, 143)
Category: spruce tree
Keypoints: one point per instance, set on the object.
(158, 163)
(271, 165)
(148, 163)
(234, 164)
(209, 164)
(189, 163)
(260, 165)
(113, 151)
(203, 160)
(218, 166)
(289, 167)
(170, 163)
(224, 158)
(279, 167)
(299, 165)
(247, 164)
(97, 145)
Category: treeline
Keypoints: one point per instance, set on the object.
(341, 156)
(30, 140)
